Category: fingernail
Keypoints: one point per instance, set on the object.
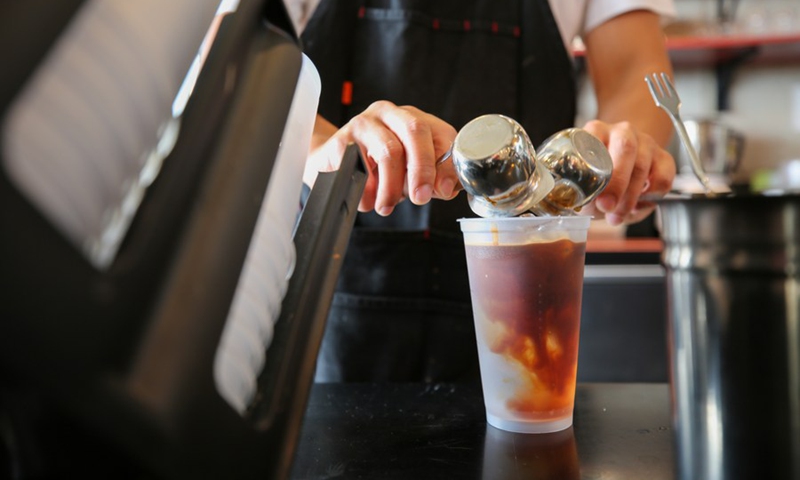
(423, 194)
(447, 186)
(385, 211)
(607, 203)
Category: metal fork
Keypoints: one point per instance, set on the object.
(667, 98)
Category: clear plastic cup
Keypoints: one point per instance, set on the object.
(526, 282)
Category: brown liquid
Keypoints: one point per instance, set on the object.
(533, 293)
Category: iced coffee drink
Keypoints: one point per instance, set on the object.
(526, 280)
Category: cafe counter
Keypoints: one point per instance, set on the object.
(439, 431)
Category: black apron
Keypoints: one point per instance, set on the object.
(401, 311)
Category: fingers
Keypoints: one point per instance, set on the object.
(640, 165)
(623, 147)
(447, 184)
(425, 138)
(662, 173)
(659, 182)
(400, 146)
(384, 154)
(416, 136)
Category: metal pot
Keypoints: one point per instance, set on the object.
(733, 288)
(719, 147)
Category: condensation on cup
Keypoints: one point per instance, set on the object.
(526, 282)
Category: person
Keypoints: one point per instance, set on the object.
(399, 77)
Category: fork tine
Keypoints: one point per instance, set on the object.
(668, 85)
(667, 98)
(653, 93)
(659, 88)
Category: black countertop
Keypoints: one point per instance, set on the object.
(439, 431)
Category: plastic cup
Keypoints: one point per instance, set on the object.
(526, 282)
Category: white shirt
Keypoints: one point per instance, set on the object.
(574, 17)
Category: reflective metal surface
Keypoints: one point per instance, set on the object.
(496, 164)
(582, 167)
(733, 286)
(666, 97)
(505, 177)
(719, 147)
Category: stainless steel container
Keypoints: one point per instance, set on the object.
(504, 177)
(733, 288)
(496, 164)
(719, 147)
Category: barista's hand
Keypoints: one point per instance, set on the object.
(400, 146)
(641, 167)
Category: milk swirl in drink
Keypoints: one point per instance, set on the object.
(526, 281)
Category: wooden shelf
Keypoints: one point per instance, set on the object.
(726, 52)
(711, 50)
(707, 50)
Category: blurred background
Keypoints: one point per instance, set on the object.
(737, 64)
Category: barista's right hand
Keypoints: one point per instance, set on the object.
(400, 146)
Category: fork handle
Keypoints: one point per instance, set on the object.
(694, 159)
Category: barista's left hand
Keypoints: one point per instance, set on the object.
(641, 167)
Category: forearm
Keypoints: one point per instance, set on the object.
(638, 108)
(618, 66)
